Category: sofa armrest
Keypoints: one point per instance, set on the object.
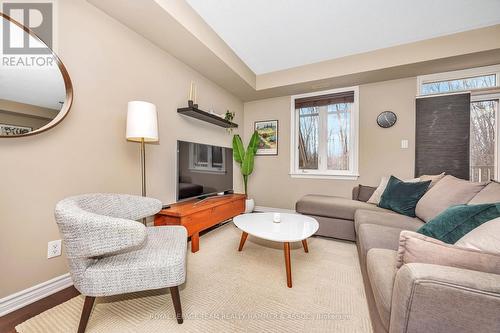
(434, 298)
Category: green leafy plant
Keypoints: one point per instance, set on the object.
(245, 158)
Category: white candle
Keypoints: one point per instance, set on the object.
(276, 217)
(191, 91)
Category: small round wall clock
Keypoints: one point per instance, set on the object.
(387, 119)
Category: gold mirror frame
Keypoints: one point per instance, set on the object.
(67, 84)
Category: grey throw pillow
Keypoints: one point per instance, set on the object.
(486, 237)
(489, 194)
(365, 192)
(433, 178)
(449, 191)
(417, 248)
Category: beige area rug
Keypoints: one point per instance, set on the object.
(231, 291)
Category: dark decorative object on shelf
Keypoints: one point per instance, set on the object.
(387, 119)
(229, 116)
(193, 111)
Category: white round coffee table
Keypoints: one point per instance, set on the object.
(292, 228)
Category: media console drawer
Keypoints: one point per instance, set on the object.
(197, 216)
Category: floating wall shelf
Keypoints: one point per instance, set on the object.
(193, 111)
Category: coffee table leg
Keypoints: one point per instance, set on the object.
(244, 236)
(288, 265)
(304, 244)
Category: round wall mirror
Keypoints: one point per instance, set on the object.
(35, 87)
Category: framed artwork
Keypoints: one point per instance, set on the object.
(10, 130)
(268, 133)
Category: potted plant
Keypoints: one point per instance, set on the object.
(246, 161)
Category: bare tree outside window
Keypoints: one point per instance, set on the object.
(483, 123)
(477, 82)
(338, 132)
(339, 120)
(308, 137)
(482, 140)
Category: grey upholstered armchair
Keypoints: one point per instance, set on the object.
(109, 253)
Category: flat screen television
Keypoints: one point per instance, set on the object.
(203, 170)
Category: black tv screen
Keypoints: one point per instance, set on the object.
(203, 170)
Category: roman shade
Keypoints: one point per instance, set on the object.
(314, 101)
(443, 135)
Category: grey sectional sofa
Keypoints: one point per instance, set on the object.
(417, 297)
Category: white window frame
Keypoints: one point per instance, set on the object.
(322, 172)
(457, 75)
(210, 168)
(487, 97)
(477, 95)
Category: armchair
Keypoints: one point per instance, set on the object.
(110, 253)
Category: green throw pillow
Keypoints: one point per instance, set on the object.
(402, 197)
(456, 221)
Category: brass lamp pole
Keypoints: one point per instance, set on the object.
(142, 127)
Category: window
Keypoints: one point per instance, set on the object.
(470, 83)
(206, 158)
(325, 134)
(484, 127)
(464, 80)
(483, 137)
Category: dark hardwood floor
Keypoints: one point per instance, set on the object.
(9, 321)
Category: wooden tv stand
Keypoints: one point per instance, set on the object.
(196, 215)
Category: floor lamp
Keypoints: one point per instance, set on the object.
(142, 126)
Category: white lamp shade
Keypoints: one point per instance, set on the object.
(142, 122)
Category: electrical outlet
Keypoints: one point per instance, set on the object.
(54, 249)
(404, 144)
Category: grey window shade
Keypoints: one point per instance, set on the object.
(342, 97)
(443, 135)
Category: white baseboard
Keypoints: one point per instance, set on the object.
(264, 209)
(27, 296)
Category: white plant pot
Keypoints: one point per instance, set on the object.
(249, 205)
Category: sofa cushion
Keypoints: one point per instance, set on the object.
(330, 206)
(402, 197)
(386, 219)
(417, 248)
(381, 268)
(363, 193)
(489, 194)
(456, 221)
(377, 194)
(485, 238)
(336, 228)
(449, 191)
(433, 178)
(372, 236)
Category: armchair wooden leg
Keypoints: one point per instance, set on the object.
(176, 299)
(87, 309)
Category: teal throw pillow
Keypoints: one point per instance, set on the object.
(456, 221)
(402, 197)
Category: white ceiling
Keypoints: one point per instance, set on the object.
(270, 35)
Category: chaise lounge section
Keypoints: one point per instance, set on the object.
(417, 297)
